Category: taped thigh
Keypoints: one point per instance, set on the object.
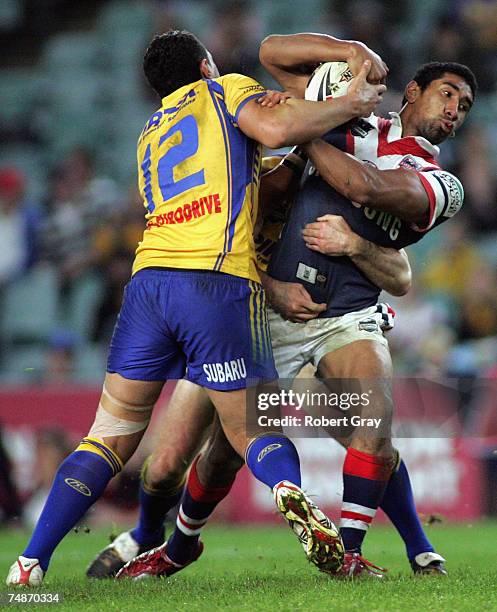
(117, 418)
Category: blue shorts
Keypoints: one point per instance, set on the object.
(208, 327)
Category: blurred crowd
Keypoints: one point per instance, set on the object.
(68, 232)
(25, 484)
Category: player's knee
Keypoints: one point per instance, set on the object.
(119, 426)
(165, 471)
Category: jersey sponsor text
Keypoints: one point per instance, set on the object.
(207, 205)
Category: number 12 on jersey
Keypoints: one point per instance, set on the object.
(172, 158)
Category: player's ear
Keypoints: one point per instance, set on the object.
(206, 69)
(412, 92)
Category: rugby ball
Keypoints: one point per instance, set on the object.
(329, 80)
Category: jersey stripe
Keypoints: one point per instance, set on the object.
(219, 261)
(408, 146)
(241, 156)
(446, 195)
(220, 257)
(230, 172)
(256, 160)
(215, 86)
(432, 199)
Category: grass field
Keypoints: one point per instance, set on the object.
(264, 569)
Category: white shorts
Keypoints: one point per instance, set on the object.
(297, 344)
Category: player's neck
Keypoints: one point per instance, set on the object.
(407, 123)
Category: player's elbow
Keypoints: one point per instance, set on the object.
(269, 126)
(277, 141)
(360, 190)
(267, 49)
(275, 134)
(406, 283)
(403, 284)
(369, 185)
(361, 186)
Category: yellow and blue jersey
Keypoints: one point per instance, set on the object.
(199, 179)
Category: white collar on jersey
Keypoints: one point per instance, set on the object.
(395, 133)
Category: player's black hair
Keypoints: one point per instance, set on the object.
(435, 70)
(172, 60)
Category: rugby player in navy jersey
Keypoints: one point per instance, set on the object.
(438, 100)
(377, 184)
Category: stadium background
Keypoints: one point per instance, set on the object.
(72, 102)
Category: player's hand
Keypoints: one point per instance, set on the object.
(359, 54)
(365, 96)
(331, 235)
(273, 98)
(292, 301)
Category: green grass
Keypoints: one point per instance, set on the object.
(264, 569)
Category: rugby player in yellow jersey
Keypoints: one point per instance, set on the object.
(194, 305)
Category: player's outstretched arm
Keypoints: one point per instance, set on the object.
(298, 121)
(290, 59)
(400, 191)
(387, 268)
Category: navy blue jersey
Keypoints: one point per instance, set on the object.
(337, 280)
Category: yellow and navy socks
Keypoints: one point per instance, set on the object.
(79, 482)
